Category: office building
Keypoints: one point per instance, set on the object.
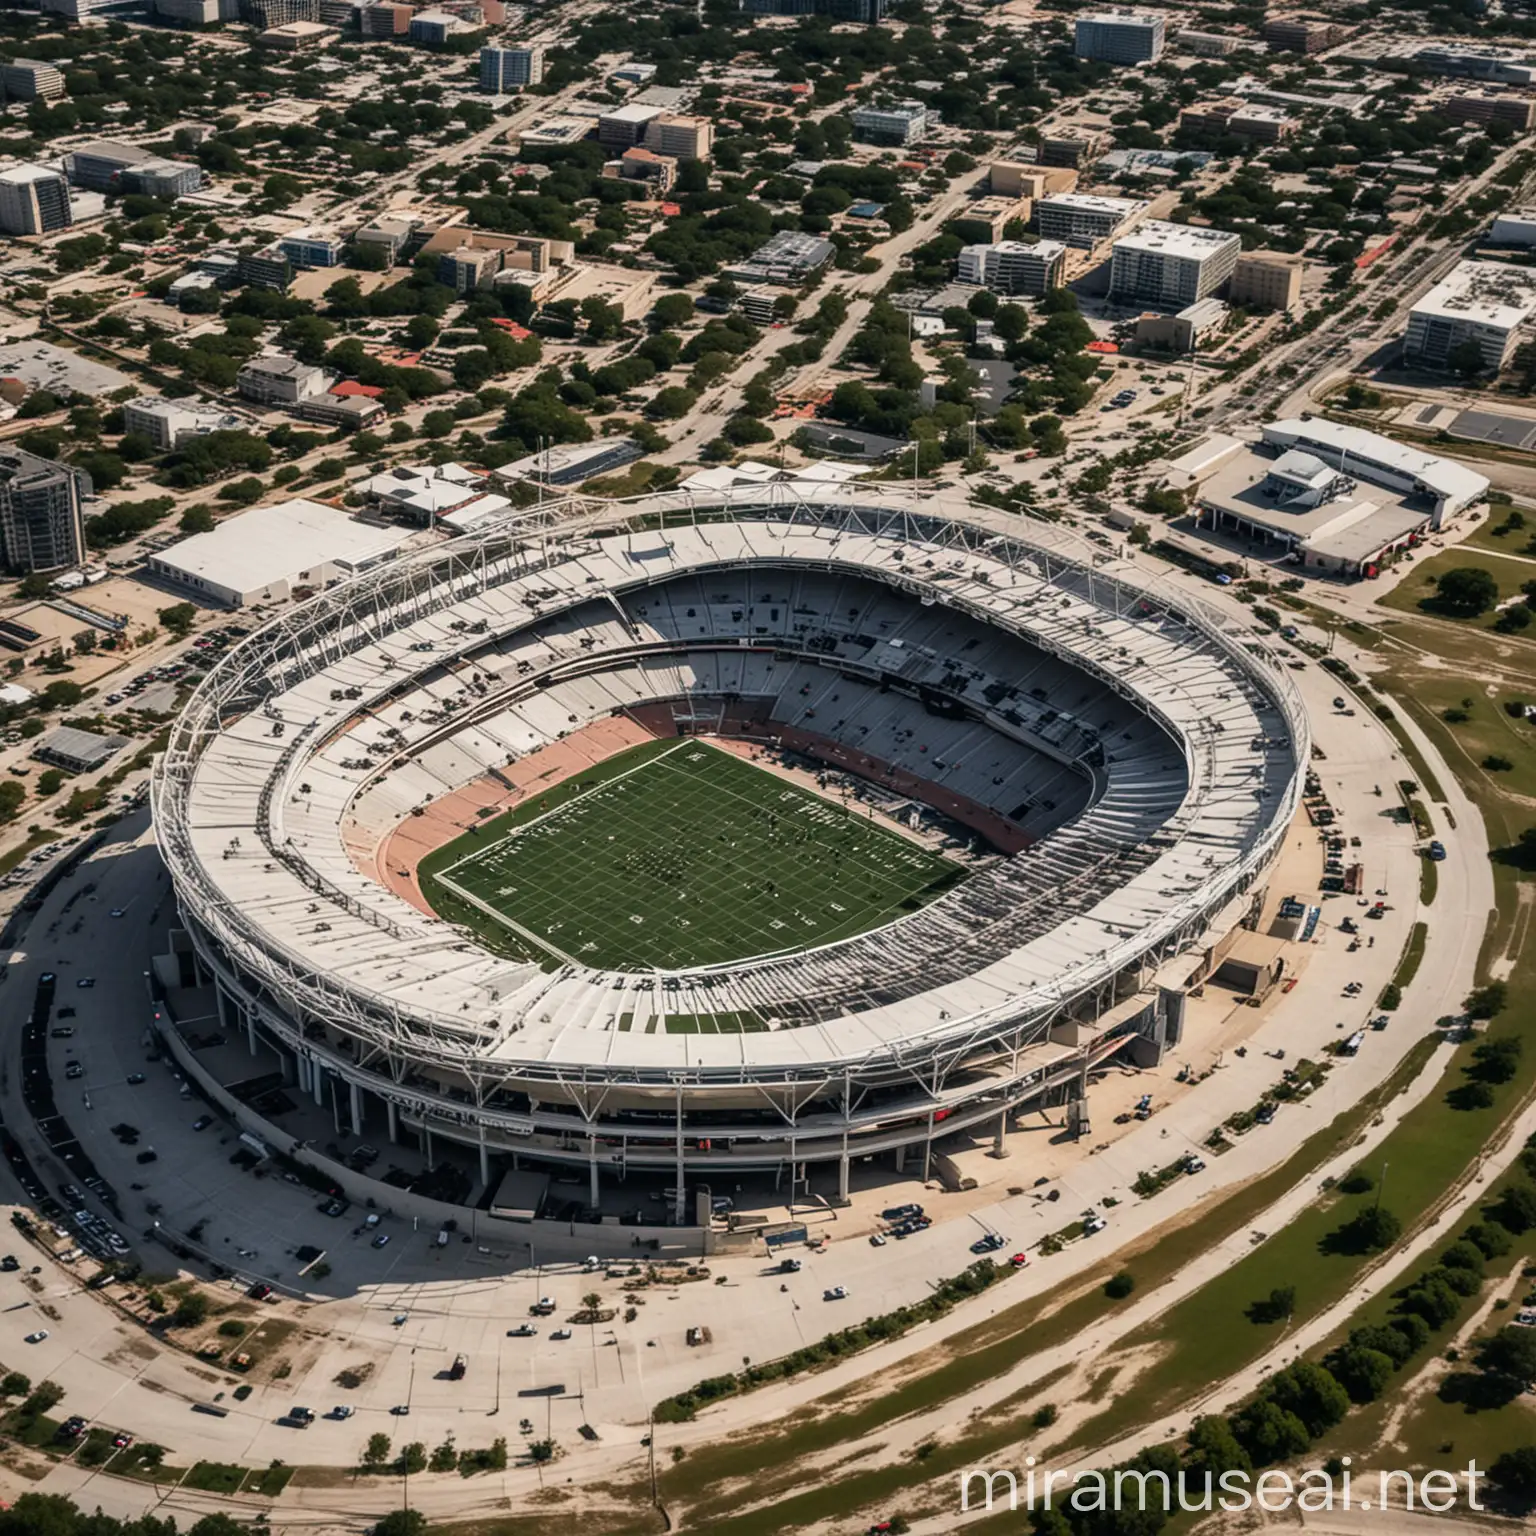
(103, 166)
(1072, 150)
(344, 408)
(1017, 178)
(170, 423)
(385, 20)
(195, 13)
(994, 215)
(42, 519)
(267, 268)
(625, 127)
(340, 14)
(866, 11)
(437, 26)
(1172, 265)
(30, 80)
(1267, 280)
(292, 36)
(1239, 118)
(33, 201)
(1491, 107)
(1120, 37)
(306, 250)
(642, 164)
(900, 122)
(1185, 331)
(1483, 302)
(787, 260)
(1014, 266)
(1517, 227)
(504, 70)
(680, 137)
(1082, 219)
(1303, 34)
(468, 267)
(1502, 66)
(389, 234)
(263, 14)
(1210, 45)
(83, 10)
(281, 381)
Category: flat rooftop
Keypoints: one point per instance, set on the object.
(1155, 235)
(1482, 293)
(1092, 202)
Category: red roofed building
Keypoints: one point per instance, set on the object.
(512, 328)
(352, 387)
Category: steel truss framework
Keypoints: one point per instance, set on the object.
(391, 1050)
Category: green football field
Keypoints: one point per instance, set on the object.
(679, 854)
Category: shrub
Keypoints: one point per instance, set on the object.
(1120, 1285)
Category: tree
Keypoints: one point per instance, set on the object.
(1269, 1433)
(1467, 590)
(671, 309)
(62, 694)
(401, 1522)
(1517, 1208)
(14, 1384)
(1363, 1373)
(1310, 1392)
(198, 519)
(376, 1452)
(1466, 358)
(1511, 1353)
(178, 619)
(191, 1310)
(1486, 1001)
(1369, 1231)
(1513, 1474)
(49, 782)
(1213, 1448)
(1120, 1285)
(412, 1459)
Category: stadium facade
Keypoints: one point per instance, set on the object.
(1134, 760)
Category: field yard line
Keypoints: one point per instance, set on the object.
(502, 918)
(575, 800)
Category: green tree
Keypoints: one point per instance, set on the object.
(412, 1459)
(14, 1384)
(1466, 359)
(198, 519)
(191, 1310)
(1363, 1373)
(1467, 590)
(178, 619)
(1513, 1474)
(398, 1522)
(376, 1452)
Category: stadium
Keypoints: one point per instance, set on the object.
(663, 841)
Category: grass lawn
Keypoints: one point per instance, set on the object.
(1488, 730)
(40, 1432)
(215, 1477)
(1416, 592)
(683, 855)
(269, 1482)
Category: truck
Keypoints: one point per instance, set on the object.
(699, 1336)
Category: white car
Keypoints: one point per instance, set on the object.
(835, 1293)
(38, 1337)
(877, 1240)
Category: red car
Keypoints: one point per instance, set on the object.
(1019, 1260)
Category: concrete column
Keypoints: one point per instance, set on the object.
(335, 1087)
(901, 1159)
(287, 1064)
(317, 1082)
(680, 1206)
(301, 1066)
(485, 1161)
(394, 1121)
(842, 1177)
(356, 1095)
(426, 1137)
(999, 1149)
(225, 1005)
(250, 1029)
(592, 1165)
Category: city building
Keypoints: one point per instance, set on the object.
(1490, 107)
(170, 423)
(42, 518)
(77, 750)
(866, 11)
(291, 36)
(1503, 66)
(33, 201)
(388, 233)
(437, 26)
(263, 14)
(102, 166)
(680, 137)
(625, 127)
(1517, 227)
(305, 249)
(84, 10)
(1015, 178)
(468, 258)
(385, 20)
(1241, 119)
(504, 70)
(267, 268)
(1083, 219)
(573, 462)
(1185, 331)
(1210, 45)
(196, 13)
(281, 381)
(757, 304)
(900, 122)
(422, 492)
(1072, 150)
(788, 259)
(1014, 266)
(1120, 37)
(1267, 280)
(642, 164)
(1172, 265)
(1303, 34)
(270, 553)
(994, 214)
(341, 14)
(1486, 303)
(468, 267)
(30, 80)
(350, 409)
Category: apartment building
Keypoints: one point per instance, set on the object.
(263, 14)
(1484, 302)
(42, 518)
(266, 268)
(1072, 150)
(1120, 37)
(385, 20)
(1303, 34)
(1239, 118)
(866, 11)
(1172, 265)
(504, 70)
(1210, 45)
(1018, 178)
(1491, 107)
(33, 201)
(900, 122)
(680, 137)
(196, 13)
(1267, 280)
(1083, 219)
(30, 80)
(1014, 266)
(280, 380)
(305, 249)
(102, 166)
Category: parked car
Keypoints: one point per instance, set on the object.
(835, 1293)
(38, 1337)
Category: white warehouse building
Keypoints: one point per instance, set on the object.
(1484, 302)
(1172, 265)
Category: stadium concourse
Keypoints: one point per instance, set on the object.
(1118, 771)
